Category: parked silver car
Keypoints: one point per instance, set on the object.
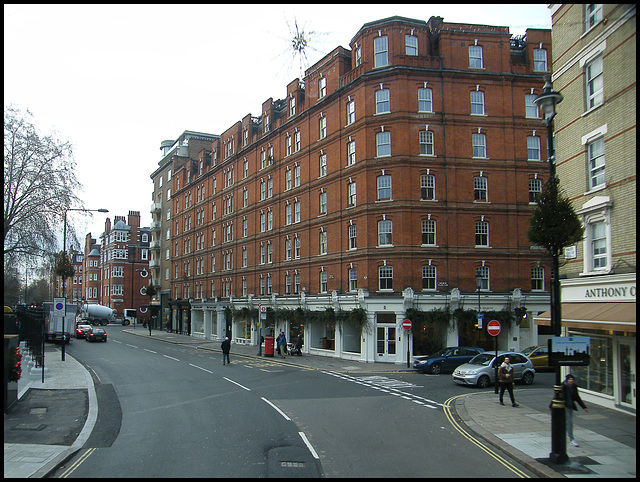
(480, 370)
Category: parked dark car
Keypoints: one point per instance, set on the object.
(96, 334)
(446, 359)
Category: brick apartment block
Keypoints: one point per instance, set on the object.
(389, 177)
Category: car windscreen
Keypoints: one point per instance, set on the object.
(528, 350)
(482, 359)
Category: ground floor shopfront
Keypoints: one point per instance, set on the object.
(382, 337)
(604, 309)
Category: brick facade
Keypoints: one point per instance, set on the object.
(268, 187)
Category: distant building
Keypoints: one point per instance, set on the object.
(124, 260)
(399, 174)
(190, 147)
(91, 280)
(594, 52)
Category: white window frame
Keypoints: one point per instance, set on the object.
(383, 144)
(535, 189)
(429, 273)
(385, 233)
(381, 51)
(351, 153)
(537, 278)
(597, 211)
(476, 98)
(592, 15)
(482, 273)
(480, 189)
(533, 148)
(411, 45)
(594, 83)
(540, 60)
(425, 100)
(426, 143)
(482, 231)
(351, 112)
(428, 231)
(427, 187)
(382, 186)
(475, 57)
(479, 143)
(322, 87)
(385, 272)
(531, 110)
(323, 127)
(383, 101)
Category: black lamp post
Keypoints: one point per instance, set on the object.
(64, 278)
(547, 102)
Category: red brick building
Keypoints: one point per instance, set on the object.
(395, 175)
(124, 260)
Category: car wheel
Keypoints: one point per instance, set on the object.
(436, 369)
(527, 378)
(484, 381)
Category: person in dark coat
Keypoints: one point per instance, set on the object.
(299, 345)
(571, 401)
(506, 377)
(226, 347)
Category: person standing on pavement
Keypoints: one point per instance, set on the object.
(505, 375)
(226, 347)
(283, 345)
(299, 345)
(571, 400)
(260, 345)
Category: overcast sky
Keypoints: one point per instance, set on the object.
(117, 80)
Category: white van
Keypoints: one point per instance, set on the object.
(129, 316)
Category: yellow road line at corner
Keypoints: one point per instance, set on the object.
(77, 463)
(473, 440)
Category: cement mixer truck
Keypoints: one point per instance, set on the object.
(97, 314)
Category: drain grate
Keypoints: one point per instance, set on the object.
(284, 463)
(35, 427)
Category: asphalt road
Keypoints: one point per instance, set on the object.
(175, 411)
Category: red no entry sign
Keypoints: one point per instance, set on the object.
(406, 324)
(493, 328)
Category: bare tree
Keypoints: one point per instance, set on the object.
(39, 185)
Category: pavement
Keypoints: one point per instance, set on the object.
(52, 421)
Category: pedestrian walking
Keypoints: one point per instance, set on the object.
(226, 347)
(299, 345)
(283, 345)
(505, 375)
(278, 344)
(260, 345)
(149, 324)
(571, 401)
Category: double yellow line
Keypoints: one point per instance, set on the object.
(77, 463)
(465, 434)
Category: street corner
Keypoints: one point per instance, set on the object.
(47, 417)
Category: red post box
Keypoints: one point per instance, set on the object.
(268, 345)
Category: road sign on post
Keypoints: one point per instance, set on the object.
(493, 328)
(406, 324)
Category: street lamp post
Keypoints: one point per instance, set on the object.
(64, 278)
(547, 102)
